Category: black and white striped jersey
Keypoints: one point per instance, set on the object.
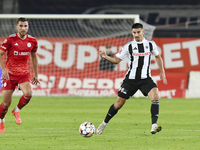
(139, 57)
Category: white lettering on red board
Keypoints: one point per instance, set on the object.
(49, 52)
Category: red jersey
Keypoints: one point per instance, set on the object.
(18, 53)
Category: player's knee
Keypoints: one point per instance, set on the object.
(28, 93)
(119, 104)
(7, 104)
(154, 96)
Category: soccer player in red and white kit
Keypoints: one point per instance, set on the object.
(15, 72)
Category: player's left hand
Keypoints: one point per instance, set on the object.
(163, 77)
(35, 80)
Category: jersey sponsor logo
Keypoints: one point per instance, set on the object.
(21, 53)
(29, 44)
(141, 54)
(16, 44)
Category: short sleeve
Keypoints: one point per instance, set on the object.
(123, 53)
(35, 47)
(155, 50)
(5, 45)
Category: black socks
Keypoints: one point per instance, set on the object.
(154, 111)
(111, 112)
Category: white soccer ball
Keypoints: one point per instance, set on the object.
(87, 129)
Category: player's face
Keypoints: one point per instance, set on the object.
(138, 34)
(22, 28)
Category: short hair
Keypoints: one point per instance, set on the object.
(108, 46)
(21, 19)
(137, 25)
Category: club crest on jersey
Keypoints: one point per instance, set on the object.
(29, 44)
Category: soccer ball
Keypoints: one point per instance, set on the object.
(87, 129)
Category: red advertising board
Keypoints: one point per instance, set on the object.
(70, 66)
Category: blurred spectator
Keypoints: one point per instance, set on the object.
(104, 64)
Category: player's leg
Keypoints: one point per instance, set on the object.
(127, 90)
(154, 96)
(26, 89)
(111, 113)
(7, 98)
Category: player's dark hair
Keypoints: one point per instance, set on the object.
(21, 19)
(137, 25)
(108, 46)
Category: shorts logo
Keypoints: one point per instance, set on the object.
(29, 44)
(4, 84)
(123, 90)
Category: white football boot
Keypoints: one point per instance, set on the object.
(101, 127)
(155, 128)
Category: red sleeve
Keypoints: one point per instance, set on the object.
(6, 44)
(35, 47)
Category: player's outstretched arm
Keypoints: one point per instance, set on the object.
(114, 60)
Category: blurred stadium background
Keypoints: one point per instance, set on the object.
(177, 30)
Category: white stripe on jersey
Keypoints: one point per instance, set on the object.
(139, 58)
(12, 35)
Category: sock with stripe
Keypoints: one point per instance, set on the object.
(111, 113)
(3, 111)
(22, 102)
(154, 111)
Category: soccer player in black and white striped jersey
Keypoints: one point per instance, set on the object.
(138, 76)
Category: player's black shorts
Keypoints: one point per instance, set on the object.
(130, 86)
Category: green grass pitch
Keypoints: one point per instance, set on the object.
(52, 123)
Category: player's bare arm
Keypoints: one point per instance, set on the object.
(4, 70)
(34, 60)
(114, 60)
(162, 71)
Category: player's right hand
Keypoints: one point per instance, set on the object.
(102, 53)
(5, 74)
(35, 80)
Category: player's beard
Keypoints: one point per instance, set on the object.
(22, 34)
(137, 39)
